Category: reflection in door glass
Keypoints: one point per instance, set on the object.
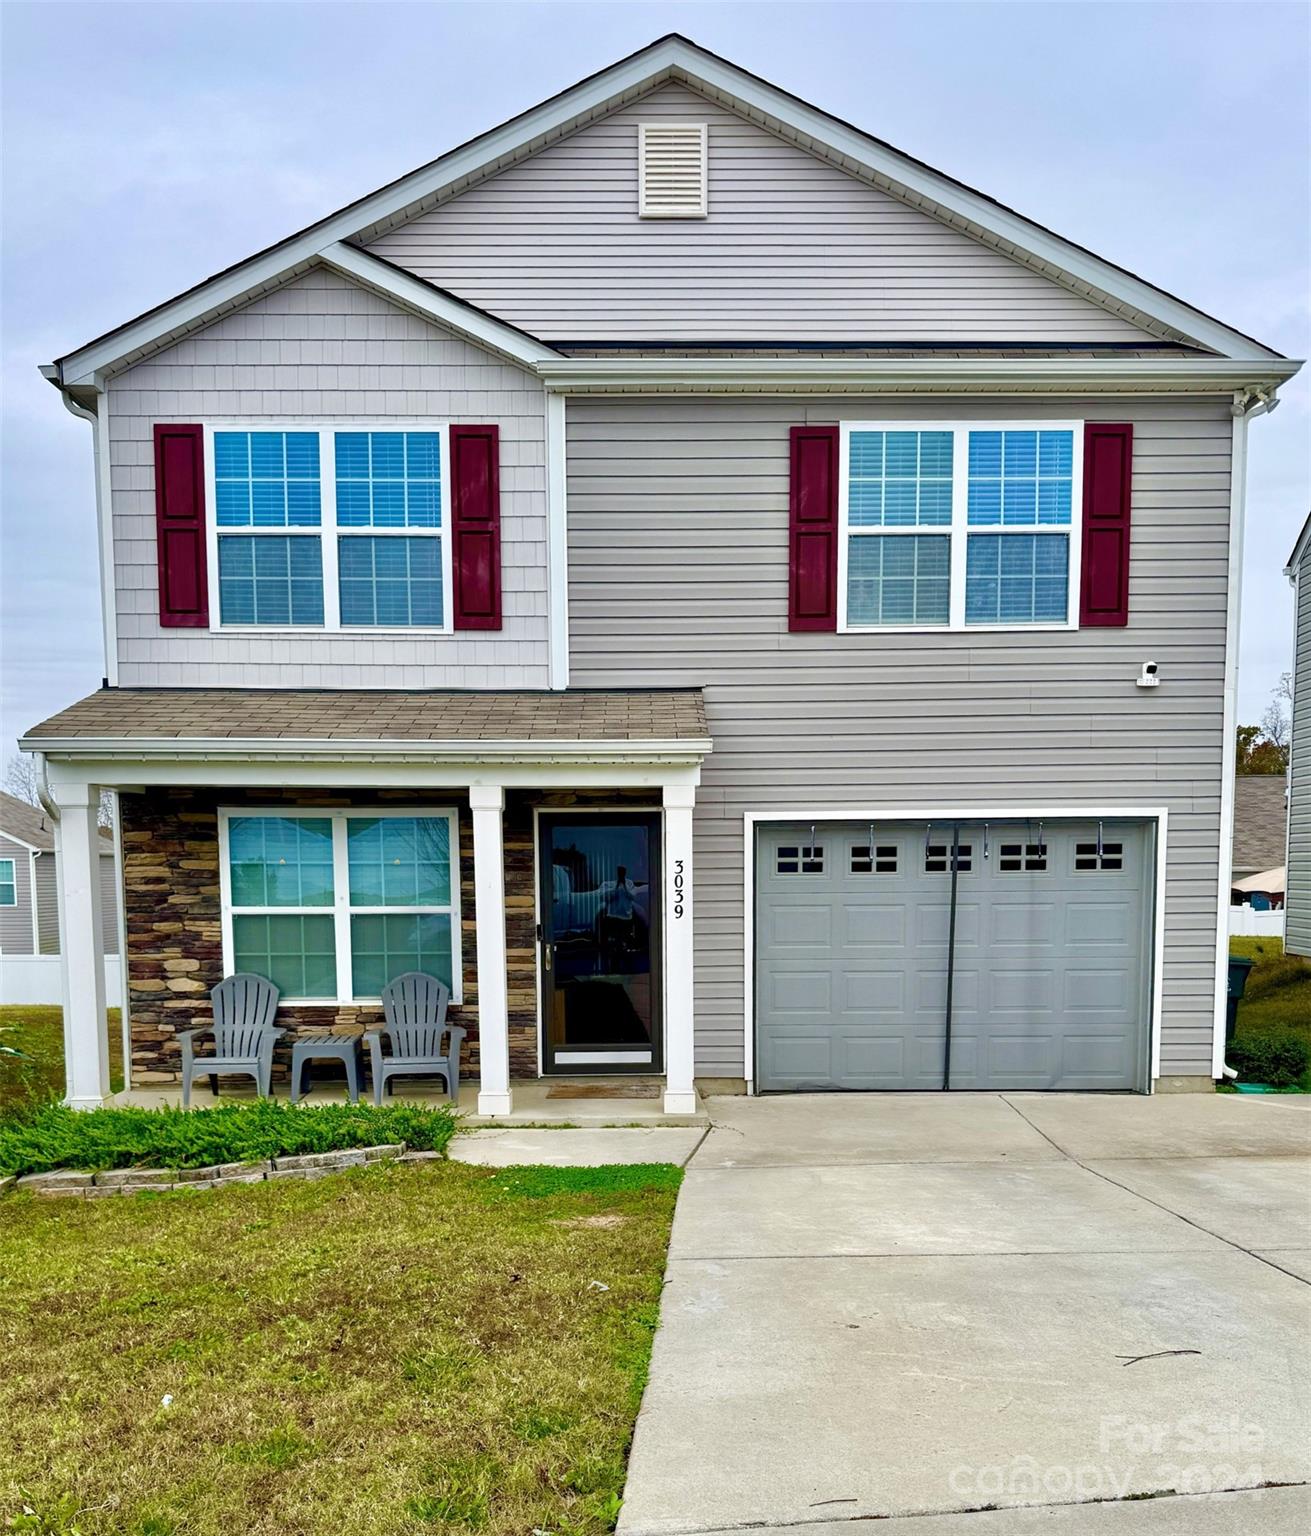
(601, 992)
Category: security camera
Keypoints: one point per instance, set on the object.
(1148, 677)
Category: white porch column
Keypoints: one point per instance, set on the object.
(680, 1093)
(487, 802)
(77, 870)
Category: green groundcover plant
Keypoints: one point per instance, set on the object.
(51, 1136)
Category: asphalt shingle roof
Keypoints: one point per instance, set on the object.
(1260, 823)
(374, 715)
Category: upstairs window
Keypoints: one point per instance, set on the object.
(8, 884)
(948, 526)
(330, 528)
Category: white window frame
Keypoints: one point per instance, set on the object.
(341, 909)
(957, 532)
(328, 531)
(11, 879)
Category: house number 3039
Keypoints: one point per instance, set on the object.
(678, 887)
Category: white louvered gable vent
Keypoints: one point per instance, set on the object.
(672, 171)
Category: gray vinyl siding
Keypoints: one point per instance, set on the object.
(678, 576)
(47, 904)
(793, 249)
(16, 921)
(323, 349)
(1297, 932)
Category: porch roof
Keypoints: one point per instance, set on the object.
(125, 720)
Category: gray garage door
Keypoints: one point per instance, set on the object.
(1051, 981)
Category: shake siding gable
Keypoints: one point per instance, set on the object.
(678, 560)
(321, 349)
(793, 248)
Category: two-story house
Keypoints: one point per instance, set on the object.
(738, 604)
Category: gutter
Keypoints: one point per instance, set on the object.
(362, 749)
(941, 375)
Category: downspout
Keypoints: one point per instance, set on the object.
(1247, 403)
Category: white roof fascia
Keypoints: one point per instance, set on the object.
(1025, 237)
(339, 749)
(757, 375)
(433, 304)
(249, 281)
(669, 58)
(1303, 538)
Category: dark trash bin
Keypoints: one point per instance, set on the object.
(1239, 966)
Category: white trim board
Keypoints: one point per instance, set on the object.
(1159, 815)
(670, 58)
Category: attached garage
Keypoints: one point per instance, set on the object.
(1030, 969)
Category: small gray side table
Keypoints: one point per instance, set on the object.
(336, 1045)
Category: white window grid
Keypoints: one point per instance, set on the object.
(328, 532)
(341, 909)
(8, 878)
(959, 529)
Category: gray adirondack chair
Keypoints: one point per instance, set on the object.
(244, 1036)
(415, 1006)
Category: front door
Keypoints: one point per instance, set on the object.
(600, 941)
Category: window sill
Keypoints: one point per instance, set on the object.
(320, 630)
(957, 629)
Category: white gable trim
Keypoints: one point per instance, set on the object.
(248, 282)
(670, 58)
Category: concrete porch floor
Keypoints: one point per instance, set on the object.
(533, 1104)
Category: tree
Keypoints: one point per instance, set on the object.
(21, 782)
(20, 778)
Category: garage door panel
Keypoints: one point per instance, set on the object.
(868, 924)
(1052, 975)
(874, 992)
(794, 927)
(1107, 923)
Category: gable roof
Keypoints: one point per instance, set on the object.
(1260, 822)
(335, 239)
(29, 824)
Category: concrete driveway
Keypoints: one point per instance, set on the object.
(921, 1308)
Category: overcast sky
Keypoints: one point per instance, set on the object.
(150, 145)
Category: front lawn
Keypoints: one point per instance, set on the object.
(1278, 996)
(392, 1349)
(36, 1073)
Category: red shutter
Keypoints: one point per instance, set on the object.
(813, 529)
(180, 526)
(1107, 478)
(476, 526)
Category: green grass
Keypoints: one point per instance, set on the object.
(52, 1136)
(36, 1074)
(391, 1351)
(1278, 996)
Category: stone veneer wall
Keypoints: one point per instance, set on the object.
(174, 939)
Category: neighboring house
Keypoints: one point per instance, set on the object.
(622, 566)
(1297, 904)
(1260, 823)
(29, 906)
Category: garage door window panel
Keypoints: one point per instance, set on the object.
(1002, 501)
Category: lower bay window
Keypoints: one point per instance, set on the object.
(959, 526)
(330, 527)
(331, 905)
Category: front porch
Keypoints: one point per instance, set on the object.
(540, 1101)
(539, 862)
